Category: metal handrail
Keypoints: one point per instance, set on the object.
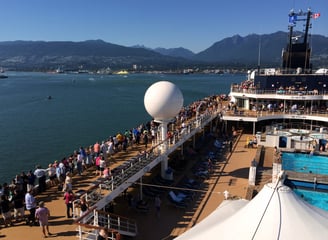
(256, 114)
(96, 219)
(280, 92)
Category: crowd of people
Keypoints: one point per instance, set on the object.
(18, 199)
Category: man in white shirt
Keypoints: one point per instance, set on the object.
(41, 176)
(30, 206)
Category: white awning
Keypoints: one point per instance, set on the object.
(273, 214)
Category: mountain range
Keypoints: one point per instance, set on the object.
(235, 51)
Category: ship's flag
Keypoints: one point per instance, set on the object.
(292, 19)
(315, 15)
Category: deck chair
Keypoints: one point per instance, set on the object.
(176, 198)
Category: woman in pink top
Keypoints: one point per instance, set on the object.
(43, 214)
(107, 173)
(102, 165)
(98, 164)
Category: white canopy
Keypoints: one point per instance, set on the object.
(273, 214)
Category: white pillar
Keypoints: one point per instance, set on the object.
(164, 134)
(289, 142)
(164, 146)
(276, 170)
(141, 188)
(252, 175)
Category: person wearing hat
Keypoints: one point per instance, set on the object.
(43, 214)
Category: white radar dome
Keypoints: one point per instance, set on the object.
(163, 100)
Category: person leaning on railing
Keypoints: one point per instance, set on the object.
(103, 234)
(41, 175)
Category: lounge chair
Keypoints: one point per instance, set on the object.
(179, 204)
(187, 196)
(180, 198)
(202, 174)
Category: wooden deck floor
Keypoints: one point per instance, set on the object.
(229, 174)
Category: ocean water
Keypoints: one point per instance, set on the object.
(83, 109)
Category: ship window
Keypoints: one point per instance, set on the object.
(241, 103)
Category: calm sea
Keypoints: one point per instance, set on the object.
(84, 109)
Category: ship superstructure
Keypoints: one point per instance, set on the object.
(294, 96)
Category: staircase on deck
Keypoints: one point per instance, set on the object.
(264, 172)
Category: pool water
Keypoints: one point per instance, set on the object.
(299, 131)
(318, 199)
(305, 163)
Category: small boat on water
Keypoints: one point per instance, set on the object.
(59, 70)
(2, 75)
(122, 72)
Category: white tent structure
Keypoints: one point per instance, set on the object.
(275, 213)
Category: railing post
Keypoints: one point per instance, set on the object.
(108, 221)
(80, 232)
(95, 217)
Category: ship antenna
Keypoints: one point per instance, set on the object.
(259, 56)
(308, 26)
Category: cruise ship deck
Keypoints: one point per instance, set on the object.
(231, 173)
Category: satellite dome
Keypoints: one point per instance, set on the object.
(163, 100)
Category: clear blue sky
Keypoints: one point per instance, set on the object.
(193, 24)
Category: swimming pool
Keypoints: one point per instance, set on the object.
(305, 163)
(318, 199)
(299, 131)
(283, 133)
(302, 139)
(316, 195)
(319, 135)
